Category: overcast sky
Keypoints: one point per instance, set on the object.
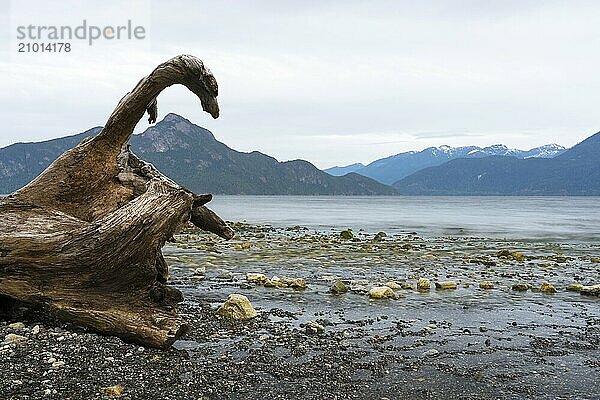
(332, 82)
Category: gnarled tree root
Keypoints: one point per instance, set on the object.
(83, 240)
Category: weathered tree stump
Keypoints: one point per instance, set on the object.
(83, 240)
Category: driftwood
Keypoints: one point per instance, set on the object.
(83, 240)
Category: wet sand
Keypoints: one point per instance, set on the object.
(465, 343)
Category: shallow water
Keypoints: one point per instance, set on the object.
(510, 340)
(543, 218)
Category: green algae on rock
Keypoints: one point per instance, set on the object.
(338, 287)
(347, 234)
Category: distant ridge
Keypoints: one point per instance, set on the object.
(193, 157)
(393, 168)
(574, 172)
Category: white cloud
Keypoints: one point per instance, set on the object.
(300, 79)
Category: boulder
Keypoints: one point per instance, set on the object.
(255, 277)
(394, 285)
(445, 285)
(114, 391)
(423, 285)
(520, 287)
(347, 234)
(575, 287)
(511, 255)
(547, 288)
(593, 290)
(12, 338)
(486, 285)
(314, 327)
(338, 287)
(237, 307)
(381, 292)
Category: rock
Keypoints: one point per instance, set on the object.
(338, 287)
(547, 288)
(16, 325)
(347, 234)
(381, 292)
(17, 339)
(423, 285)
(314, 327)
(486, 285)
(294, 283)
(35, 330)
(595, 260)
(394, 285)
(286, 282)
(237, 307)
(431, 353)
(575, 287)
(511, 255)
(114, 391)
(58, 364)
(379, 236)
(520, 287)
(445, 285)
(483, 329)
(406, 285)
(593, 290)
(255, 277)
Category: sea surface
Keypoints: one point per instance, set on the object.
(575, 219)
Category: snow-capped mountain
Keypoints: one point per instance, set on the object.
(393, 168)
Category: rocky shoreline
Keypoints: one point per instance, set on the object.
(326, 325)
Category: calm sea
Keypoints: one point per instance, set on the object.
(538, 218)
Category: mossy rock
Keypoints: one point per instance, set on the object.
(347, 234)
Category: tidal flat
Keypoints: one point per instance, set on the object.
(470, 335)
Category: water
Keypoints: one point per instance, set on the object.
(575, 219)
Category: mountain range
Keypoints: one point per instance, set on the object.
(193, 157)
(391, 169)
(575, 171)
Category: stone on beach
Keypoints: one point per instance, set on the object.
(13, 338)
(347, 234)
(237, 307)
(314, 327)
(486, 285)
(547, 288)
(423, 285)
(445, 285)
(381, 292)
(511, 255)
(16, 325)
(114, 391)
(255, 277)
(593, 290)
(574, 287)
(286, 282)
(394, 285)
(338, 287)
(520, 287)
